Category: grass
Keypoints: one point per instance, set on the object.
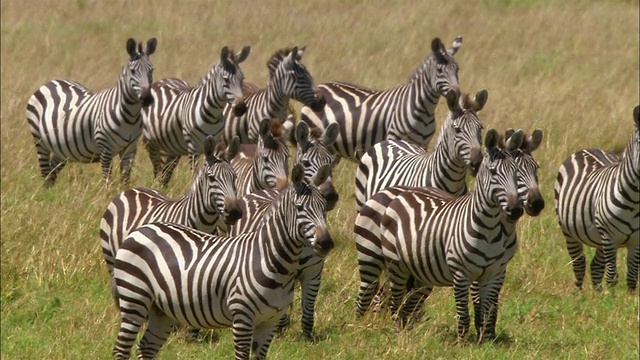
(567, 67)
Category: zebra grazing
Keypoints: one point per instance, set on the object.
(183, 116)
(400, 163)
(596, 198)
(435, 239)
(288, 78)
(313, 153)
(173, 274)
(211, 203)
(71, 123)
(405, 112)
(263, 165)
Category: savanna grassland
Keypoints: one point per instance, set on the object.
(567, 67)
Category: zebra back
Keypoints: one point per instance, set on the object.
(263, 165)
(596, 200)
(71, 123)
(183, 116)
(171, 259)
(406, 112)
(209, 204)
(288, 79)
(400, 163)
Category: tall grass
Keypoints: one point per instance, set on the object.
(567, 67)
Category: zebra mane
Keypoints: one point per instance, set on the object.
(425, 64)
(277, 58)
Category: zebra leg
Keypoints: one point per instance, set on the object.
(381, 299)
(193, 163)
(610, 257)
(159, 328)
(633, 260)
(398, 277)
(310, 283)
(370, 269)
(126, 163)
(262, 336)
(106, 156)
(418, 294)
(56, 165)
(489, 295)
(169, 166)
(242, 334)
(131, 321)
(597, 268)
(477, 311)
(461, 294)
(155, 158)
(578, 260)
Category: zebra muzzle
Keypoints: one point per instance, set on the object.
(240, 107)
(323, 243)
(232, 213)
(534, 203)
(330, 194)
(320, 102)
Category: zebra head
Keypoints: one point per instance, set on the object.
(228, 78)
(498, 174)
(313, 153)
(440, 69)
(633, 149)
(219, 180)
(294, 79)
(310, 210)
(139, 71)
(463, 128)
(528, 188)
(272, 155)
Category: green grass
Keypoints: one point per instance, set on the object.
(567, 67)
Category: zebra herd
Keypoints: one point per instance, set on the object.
(229, 252)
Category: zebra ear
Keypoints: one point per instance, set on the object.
(224, 54)
(453, 97)
(265, 126)
(302, 135)
(508, 133)
(491, 140)
(457, 43)
(300, 52)
(131, 48)
(480, 99)
(330, 134)
(438, 50)
(209, 149)
(233, 148)
(321, 176)
(515, 141)
(293, 55)
(297, 175)
(151, 46)
(635, 116)
(242, 55)
(534, 140)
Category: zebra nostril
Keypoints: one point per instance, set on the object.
(534, 207)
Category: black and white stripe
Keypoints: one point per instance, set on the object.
(210, 203)
(596, 196)
(183, 116)
(406, 112)
(288, 79)
(263, 165)
(173, 274)
(430, 238)
(400, 163)
(71, 123)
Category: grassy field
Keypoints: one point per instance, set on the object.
(567, 67)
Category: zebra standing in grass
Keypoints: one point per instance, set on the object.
(172, 274)
(596, 195)
(182, 116)
(211, 203)
(71, 123)
(397, 162)
(405, 112)
(288, 79)
(435, 239)
(263, 165)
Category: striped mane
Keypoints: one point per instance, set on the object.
(277, 58)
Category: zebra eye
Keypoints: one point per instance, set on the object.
(265, 159)
(306, 163)
(493, 171)
(211, 178)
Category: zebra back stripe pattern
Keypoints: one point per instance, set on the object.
(596, 198)
(400, 163)
(205, 281)
(72, 123)
(406, 112)
(183, 116)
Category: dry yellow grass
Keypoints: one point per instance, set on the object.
(568, 67)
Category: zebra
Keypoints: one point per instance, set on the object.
(265, 164)
(288, 78)
(173, 274)
(596, 199)
(210, 203)
(435, 239)
(72, 123)
(398, 162)
(183, 116)
(313, 155)
(405, 112)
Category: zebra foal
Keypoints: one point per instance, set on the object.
(596, 198)
(405, 112)
(183, 116)
(72, 123)
(176, 275)
(434, 239)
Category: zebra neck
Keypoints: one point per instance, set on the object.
(447, 164)
(484, 213)
(276, 102)
(628, 176)
(213, 101)
(202, 213)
